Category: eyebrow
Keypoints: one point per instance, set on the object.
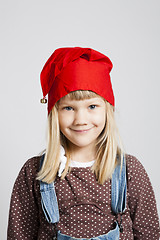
(70, 100)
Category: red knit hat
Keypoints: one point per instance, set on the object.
(75, 68)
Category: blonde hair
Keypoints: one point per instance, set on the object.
(109, 145)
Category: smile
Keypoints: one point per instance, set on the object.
(81, 130)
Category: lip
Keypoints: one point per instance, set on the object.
(81, 130)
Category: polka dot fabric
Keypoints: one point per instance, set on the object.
(84, 205)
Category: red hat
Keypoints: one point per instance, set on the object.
(75, 68)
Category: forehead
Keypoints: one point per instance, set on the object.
(94, 100)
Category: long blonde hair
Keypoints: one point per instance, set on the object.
(109, 145)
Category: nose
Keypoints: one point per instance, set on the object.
(80, 117)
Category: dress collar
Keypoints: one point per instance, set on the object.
(63, 161)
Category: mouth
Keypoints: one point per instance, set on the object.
(81, 130)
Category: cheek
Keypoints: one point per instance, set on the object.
(61, 121)
(100, 119)
(61, 125)
(64, 120)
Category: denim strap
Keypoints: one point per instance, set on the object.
(49, 200)
(119, 188)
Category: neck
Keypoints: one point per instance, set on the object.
(83, 154)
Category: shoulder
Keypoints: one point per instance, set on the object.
(134, 165)
(136, 173)
(33, 163)
(30, 168)
(26, 182)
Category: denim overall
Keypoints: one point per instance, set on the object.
(118, 203)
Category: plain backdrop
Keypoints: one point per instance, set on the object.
(128, 32)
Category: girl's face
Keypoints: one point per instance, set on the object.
(82, 121)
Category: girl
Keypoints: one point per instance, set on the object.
(84, 186)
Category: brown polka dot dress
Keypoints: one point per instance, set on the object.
(84, 205)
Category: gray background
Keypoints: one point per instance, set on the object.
(126, 31)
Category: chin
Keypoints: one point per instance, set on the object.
(80, 144)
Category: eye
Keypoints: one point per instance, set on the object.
(92, 106)
(68, 108)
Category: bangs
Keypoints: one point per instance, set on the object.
(81, 95)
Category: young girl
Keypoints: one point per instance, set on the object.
(84, 186)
